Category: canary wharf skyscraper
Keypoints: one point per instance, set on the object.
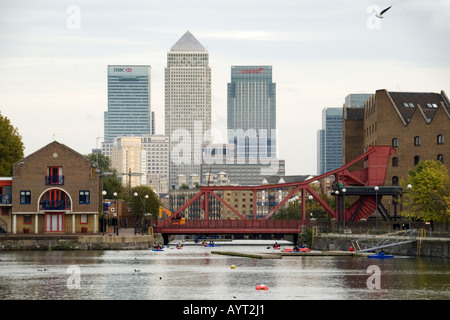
(187, 105)
(129, 108)
(251, 114)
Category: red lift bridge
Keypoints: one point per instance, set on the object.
(360, 183)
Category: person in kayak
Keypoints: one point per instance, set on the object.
(276, 246)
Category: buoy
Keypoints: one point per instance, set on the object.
(233, 266)
(262, 287)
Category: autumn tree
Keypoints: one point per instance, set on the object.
(11, 146)
(429, 192)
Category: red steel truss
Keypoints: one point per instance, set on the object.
(376, 160)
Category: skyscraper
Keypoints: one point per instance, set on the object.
(329, 140)
(187, 105)
(252, 111)
(129, 107)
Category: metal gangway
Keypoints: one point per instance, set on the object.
(392, 239)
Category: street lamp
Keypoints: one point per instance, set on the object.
(343, 205)
(103, 212)
(409, 186)
(310, 197)
(143, 203)
(376, 204)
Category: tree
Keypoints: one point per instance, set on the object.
(11, 146)
(429, 193)
(103, 164)
(141, 205)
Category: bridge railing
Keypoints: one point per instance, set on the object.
(232, 224)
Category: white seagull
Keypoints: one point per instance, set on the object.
(380, 15)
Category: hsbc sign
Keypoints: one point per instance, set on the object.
(122, 69)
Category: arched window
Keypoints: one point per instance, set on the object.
(440, 158)
(54, 199)
(440, 139)
(395, 143)
(416, 160)
(417, 141)
(395, 162)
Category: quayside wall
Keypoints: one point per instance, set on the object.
(85, 242)
(427, 247)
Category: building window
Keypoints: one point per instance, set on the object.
(395, 181)
(83, 218)
(440, 139)
(395, 143)
(27, 219)
(417, 141)
(416, 160)
(440, 158)
(85, 197)
(25, 197)
(395, 162)
(54, 176)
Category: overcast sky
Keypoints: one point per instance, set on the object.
(54, 57)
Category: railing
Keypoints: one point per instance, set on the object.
(232, 224)
(5, 199)
(54, 205)
(3, 226)
(51, 180)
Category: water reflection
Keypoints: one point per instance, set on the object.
(194, 273)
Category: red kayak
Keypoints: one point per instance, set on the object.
(299, 250)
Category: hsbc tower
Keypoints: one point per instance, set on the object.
(129, 107)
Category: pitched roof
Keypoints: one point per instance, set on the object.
(428, 102)
(188, 43)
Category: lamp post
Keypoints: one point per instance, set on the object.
(376, 204)
(409, 186)
(343, 205)
(103, 212)
(310, 197)
(116, 213)
(337, 206)
(143, 203)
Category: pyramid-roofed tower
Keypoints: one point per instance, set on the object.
(188, 43)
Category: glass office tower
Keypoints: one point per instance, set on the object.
(252, 111)
(330, 140)
(129, 108)
(187, 106)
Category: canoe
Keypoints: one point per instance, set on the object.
(380, 256)
(299, 250)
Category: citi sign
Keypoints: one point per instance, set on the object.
(122, 69)
(260, 70)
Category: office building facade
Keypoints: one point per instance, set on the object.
(187, 105)
(129, 103)
(251, 111)
(329, 140)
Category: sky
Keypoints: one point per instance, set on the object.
(54, 56)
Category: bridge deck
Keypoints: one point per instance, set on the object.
(246, 226)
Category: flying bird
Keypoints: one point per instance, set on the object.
(380, 15)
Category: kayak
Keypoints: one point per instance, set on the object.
(154, 249)
(211, 245)
(179, 247)
(299, 250)
(380, 256)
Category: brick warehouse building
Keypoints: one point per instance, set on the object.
(416, 124)
(55, 190)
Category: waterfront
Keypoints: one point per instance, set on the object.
(194, 273)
